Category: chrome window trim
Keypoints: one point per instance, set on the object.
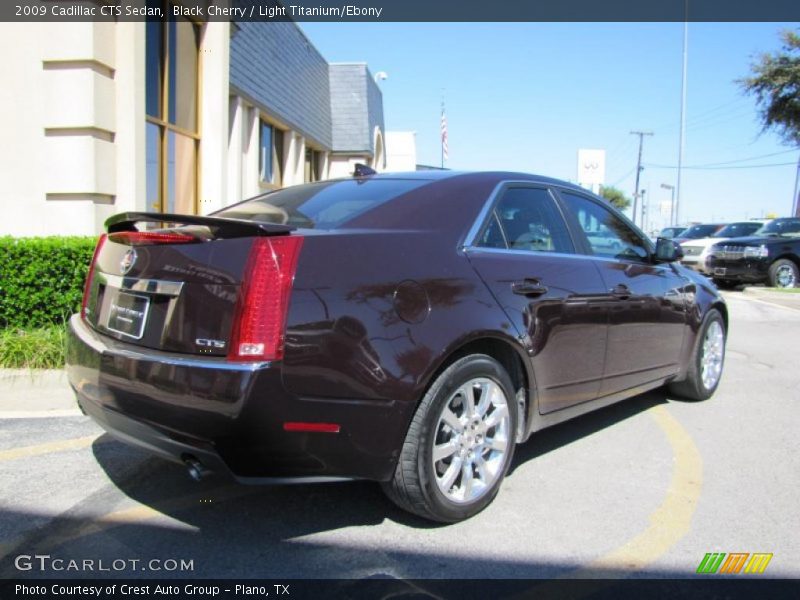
(148, 286)
(480, 220)
(662, 266)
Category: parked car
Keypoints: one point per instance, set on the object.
(409, 329)
(771, 256)
(695, 252)
(604, 238)
(699, 231)
(671, 232)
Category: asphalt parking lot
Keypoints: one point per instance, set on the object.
(642, 489)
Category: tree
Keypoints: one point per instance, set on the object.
(775, 82)
(615, 197)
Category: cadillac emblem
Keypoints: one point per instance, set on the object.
(127, 261)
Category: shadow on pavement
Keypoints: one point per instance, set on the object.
(231, 530)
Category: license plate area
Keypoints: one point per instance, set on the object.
(127, 314)
(719, 271)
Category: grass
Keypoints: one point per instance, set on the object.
(41, 348)
(794, 290)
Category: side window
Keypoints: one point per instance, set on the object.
(527, 219)
(493, 236)
(607, 234)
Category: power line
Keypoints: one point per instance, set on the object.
(728, 162)
(618, 181)
(652, 166)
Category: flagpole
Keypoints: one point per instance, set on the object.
(441, 134)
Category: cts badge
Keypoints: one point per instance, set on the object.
(209, 343)
(128, 259)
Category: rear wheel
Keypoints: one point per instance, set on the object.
(708, 359)
(459, 444)
(783, 273)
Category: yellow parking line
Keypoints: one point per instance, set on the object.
(672, 519)
(47, 448)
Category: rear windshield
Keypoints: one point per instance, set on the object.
(699, 231)
(326, 205)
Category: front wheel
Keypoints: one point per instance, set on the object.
(708, 358)
(459, 444)
(783, 273)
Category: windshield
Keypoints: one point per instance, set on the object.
(695, 232)
(669, 232)
(737, 230)
(325, 205)
(790, 227)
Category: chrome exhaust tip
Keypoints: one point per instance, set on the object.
(195, 468)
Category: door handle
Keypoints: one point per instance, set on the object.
(528, 287)
(621, 291)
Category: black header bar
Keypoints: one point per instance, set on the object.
(374, 11)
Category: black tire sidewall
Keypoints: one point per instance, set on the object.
(477, 366)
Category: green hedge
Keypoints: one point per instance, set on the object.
(41, 279)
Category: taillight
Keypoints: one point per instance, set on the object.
(260, 319)
(143, 238)
(87, 287)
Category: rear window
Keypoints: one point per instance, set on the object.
(326, 205)
(699, 231)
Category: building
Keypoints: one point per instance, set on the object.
(182, 116)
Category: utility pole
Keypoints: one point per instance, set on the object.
(641, 135)
(682, 135)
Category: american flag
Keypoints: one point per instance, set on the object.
(444, 135)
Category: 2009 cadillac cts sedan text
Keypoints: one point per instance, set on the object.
(408, 329)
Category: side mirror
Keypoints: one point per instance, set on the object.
(668, 250)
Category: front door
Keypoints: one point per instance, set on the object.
(647, 318)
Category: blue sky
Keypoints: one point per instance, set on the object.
(527, 96)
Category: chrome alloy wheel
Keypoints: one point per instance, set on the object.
(785, 277)
(713, 354)
(471, 440)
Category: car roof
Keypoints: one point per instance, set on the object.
(499, 176)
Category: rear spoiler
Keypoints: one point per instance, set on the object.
(220, 226)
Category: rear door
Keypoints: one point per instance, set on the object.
(555, 298)
(647, 318)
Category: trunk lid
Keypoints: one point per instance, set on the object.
(177, 288)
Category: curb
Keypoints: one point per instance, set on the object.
(26, 391)
(782, 299)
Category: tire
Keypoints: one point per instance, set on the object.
(783, 273)
(472, 456)
(708, 359)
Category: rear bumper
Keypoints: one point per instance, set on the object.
(228, 416)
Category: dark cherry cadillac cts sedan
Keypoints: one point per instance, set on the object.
(408, 329)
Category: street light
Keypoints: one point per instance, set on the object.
(671, 188)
